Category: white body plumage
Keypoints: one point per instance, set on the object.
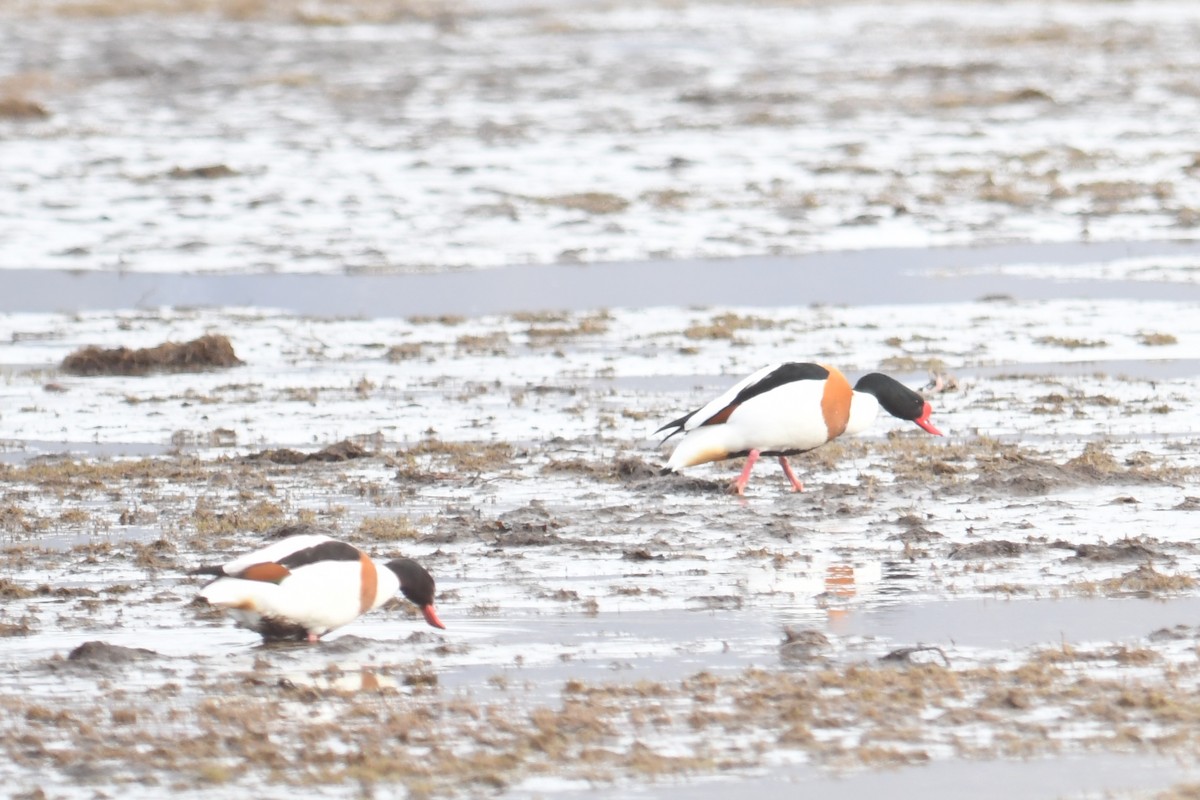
(307, 585)
(318, 597)
(787, 418)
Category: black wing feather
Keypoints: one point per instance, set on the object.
(783, 374)
(676, 424)
(787, 373)
(325, 551)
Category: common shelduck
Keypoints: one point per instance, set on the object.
(784, 409)
(306, 585)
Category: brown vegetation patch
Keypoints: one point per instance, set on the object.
(212, 351)
(1057, 400)
(1108, 195)
(463, 457)
(1069, 343)
(404, 352)
(14, 518)
(545, 335)
(726, 326)
(21, 627)
(1094, 462)
(64, 473)
(257, 518)
(206, 172)
(1145, 581)
(666, 198)
(21, 108)
(1153, 339)
(387, 529)
(14, 591)
(591, 202)
(495, 343)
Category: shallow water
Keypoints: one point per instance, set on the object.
(18, 451)
(1134, 369)
(351, 138)
(853, 277)
(1001, 624)
(1107, 776)
(1129, 368)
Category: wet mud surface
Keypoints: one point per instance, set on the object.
(1014, 606)
(381, 136)
(1024, 588)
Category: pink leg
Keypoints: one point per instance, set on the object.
(739, 486)
(312, 638)
(791, 476)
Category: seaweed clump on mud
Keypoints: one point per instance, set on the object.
(211, 351)
(21, 108)
(1144, 581)
(344, 450)
(96, 652)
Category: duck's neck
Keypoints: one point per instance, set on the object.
(863, 410)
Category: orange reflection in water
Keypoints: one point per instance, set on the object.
(839, 583)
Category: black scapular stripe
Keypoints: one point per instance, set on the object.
(786, 373)
(325, 551)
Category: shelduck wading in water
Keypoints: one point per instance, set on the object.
(785, 409)
(304, 586)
